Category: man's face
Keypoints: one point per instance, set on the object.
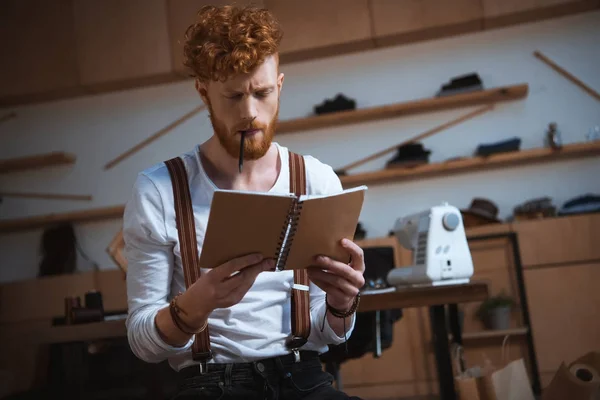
(246, 103)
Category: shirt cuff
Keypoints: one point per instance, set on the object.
(328, 333)
(145, 340)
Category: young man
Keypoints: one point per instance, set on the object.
(233, 53)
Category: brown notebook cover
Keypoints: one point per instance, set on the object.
(281, 226)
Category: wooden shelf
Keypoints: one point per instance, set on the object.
(494, 95)
(36, 161)
(501, 333)
(522, 157)
(11, 225)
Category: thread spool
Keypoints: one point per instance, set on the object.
(71, 303)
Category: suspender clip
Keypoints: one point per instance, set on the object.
(202, 367)
(202, 359)
(296, 355)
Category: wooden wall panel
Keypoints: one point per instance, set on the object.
(510, 12)
(492, 262)
(329, 26)
(559, 240)
(494, 8)
(42, 298)
(113, 287)
(565, 309)
(397, 361)
(181, 14)
(120, 40)
(36, 37)
(410, 20)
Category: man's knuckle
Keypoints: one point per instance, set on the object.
(360, 253)
(361, 280)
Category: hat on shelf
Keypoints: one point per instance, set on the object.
(540, 207)
(503, 146)
(481, 211)
(408, 155)
(340, 102)
(461, 84)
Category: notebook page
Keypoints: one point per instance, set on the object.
(241, 223)
(318, 196)
(324, 221)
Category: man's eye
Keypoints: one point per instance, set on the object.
(234, 96)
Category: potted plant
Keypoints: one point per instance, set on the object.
(495, 311)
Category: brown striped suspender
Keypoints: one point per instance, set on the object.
(188, 246)
(300, 311)
(300, 305)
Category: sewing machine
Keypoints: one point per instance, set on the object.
(441, 254)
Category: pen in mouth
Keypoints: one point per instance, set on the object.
(241, 160)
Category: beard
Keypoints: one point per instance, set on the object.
(255, 146)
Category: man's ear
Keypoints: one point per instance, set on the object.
(280, 81)
(201, 88)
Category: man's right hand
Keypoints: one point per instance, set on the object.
(222, 287)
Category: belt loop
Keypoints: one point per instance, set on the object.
(228, 374)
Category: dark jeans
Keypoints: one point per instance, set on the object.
(279, 378)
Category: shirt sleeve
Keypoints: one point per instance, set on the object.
(320, 324)
(150, 264)
(324, 180)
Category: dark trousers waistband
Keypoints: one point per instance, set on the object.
(266, 364)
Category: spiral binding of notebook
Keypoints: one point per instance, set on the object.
(286, 238)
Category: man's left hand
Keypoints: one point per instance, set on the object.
(340, 281)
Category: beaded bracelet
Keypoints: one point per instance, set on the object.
(174, 310)
(343, 314)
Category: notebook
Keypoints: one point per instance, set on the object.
(290, 229)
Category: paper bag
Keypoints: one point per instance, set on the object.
(512, 382)
(475, 388)
(578, 381)
(474, 383)
(507, 382)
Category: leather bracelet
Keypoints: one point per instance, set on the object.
(344, 314)
(174, 310)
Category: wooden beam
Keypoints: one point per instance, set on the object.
(155, 136)
(47, 196)
(17, 224)
(474, 164)
(567, 75)
(340, 118)
(421, 136)
(36, 162)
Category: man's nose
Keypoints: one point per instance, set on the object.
(248, 108)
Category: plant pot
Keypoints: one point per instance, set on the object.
(498, 318)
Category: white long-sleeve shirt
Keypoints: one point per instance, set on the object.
(255, 328)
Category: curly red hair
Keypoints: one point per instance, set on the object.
(230, 40)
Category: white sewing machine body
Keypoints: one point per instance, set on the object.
(441, 254)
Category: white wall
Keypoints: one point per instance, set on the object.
(99, 128)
